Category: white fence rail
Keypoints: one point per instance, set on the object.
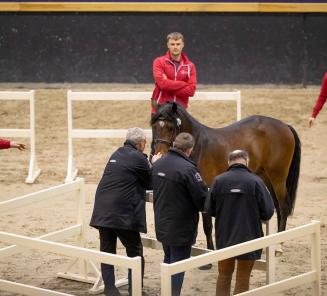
(121, 133)
(81, 253)
(313, 276)
(84, 257)
(33, 171)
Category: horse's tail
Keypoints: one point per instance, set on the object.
(293, 174)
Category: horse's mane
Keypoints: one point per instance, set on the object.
(170, 111)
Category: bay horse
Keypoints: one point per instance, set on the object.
(274, 149)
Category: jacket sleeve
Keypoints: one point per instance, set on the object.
(4, 144)
(144, 172)
(210, 203)
(189, 89)
(196, 188)
(165, 84)
(265, 202)
(322, 97)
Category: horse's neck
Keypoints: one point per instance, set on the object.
(197, 130)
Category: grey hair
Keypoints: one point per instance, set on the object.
(136, 135)
(237, 154)
(175, 36)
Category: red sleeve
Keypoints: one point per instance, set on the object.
(189, 89)
(4, 144)
(165, 84)
(322, 97)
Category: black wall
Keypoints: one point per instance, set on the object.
(120, 47)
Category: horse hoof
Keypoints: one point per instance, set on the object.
(205, 267)
(279, 252)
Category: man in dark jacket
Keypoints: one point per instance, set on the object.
(178, 196)
(240, 201)
(119, 207)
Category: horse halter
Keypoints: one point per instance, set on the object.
(176, 131)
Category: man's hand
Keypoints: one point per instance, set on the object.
(164, 76)
(156, 157)
(311, 121)
(19, 146)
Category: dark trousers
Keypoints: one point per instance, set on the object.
(108, 243)
(226, 270)
(175, 254)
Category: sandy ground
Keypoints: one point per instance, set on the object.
(290, 104)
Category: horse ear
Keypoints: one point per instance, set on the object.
(174, 107)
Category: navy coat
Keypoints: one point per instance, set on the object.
(178, 195)
(120, 196)
(239, 200)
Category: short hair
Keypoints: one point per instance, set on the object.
(175, 36)
(136, 135)
(184, 141)
(237, 154)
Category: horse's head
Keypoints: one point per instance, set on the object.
(166, 126)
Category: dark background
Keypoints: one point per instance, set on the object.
(236, 48)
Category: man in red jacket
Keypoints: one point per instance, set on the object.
(320, 101)
(6, 144)
(174, 75)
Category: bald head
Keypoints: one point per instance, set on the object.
(238, 156)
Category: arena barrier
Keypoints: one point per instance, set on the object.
(33, 171)
(121, 133)
(87, 271)
(314, 276)
(84, 258)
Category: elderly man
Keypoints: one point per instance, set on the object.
(119, 207)
(239, 200)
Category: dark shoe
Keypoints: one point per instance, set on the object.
(112, 292)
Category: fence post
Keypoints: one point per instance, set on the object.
(33, 170)
(71, 171)
(238, 106)
(270, 257)
(165, 280)
(81, 239)
(137, 277)
(315, 258)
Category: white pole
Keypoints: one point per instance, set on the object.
(137, 277)
(316, 259)
(165, 280)
(238, 106)
(270, 257)
(71, 172)
(81, 239)
(33, 171)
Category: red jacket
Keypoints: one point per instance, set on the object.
(4, 144)
(180, 83)
(322, 97)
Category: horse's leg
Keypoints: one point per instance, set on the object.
(207, 227)
(280, 194)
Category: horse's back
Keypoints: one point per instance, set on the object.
(269, 142)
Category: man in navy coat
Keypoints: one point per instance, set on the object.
(178, 195)
(240, 201)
